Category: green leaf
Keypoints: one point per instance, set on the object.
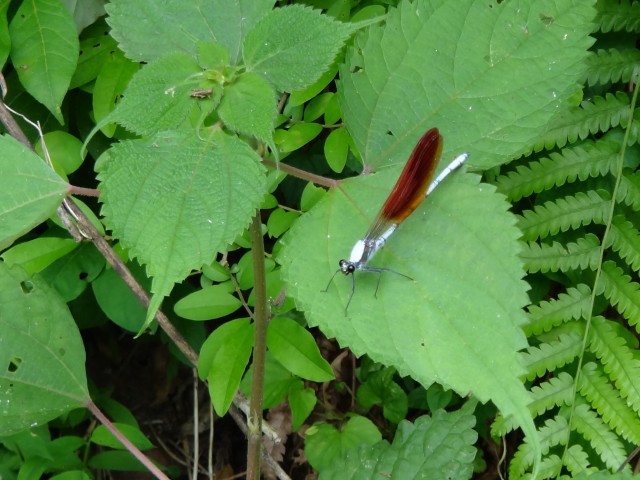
(316, 106)
(292, 46)
(44, 51)
(460, 243)
(111, 82)
(43, 358)
(302, 402)
(279, 221)
(312, 91)
(216, 272)
(380, 389)
(211, 302)
(223, 360)
(472, 79)
(116, 460)
(336, 149)
(332, 112)
(158, 96)
(103, 437)
(30, 191)
(148, 29)
(325, 445)
(35, 255)
(71, 274)
(116, 299)
(310, 196)
(297, 136)
(71, 475)
(248, 106)
(278, 382)
(95, 48)
(175, 200)
(64, 151)
(438, 448)
(212, 56)
(295, 348)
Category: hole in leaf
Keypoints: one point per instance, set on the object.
(83, 276)
(27, 286)
(14, 364)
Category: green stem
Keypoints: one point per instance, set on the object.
(259, 351)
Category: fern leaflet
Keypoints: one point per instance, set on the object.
(611, 66)
(597, 389)
(568, 306)
(617, 358)
(584, 254)
(616, 15)
(590, 117)
(577, 460)
(629, 190)
(625, 239)
(554, 432)
(621, 292)
(547, 357)
(606, 443)
(563, 214)
(589, 159)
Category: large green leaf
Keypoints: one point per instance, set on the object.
(30, 191)
(44, 50)
(492, 73)
(41, 353)
(149, 29)
(174, 200)
(292, 46)
(458, 322)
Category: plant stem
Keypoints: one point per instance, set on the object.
(259, 351)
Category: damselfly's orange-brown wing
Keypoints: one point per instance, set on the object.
(411, 187)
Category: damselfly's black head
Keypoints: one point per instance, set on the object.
(347, 267)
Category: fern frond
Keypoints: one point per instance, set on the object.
(624, 238)
(547, 357)
(577, 460)
(572, 305)
(611, 66)
(616, 15)
(582, 254)
(629, 190)
(618, 360)
(598, 115)
(563, 214)
(603, 440)
(621, 292)
(597, 389)
(554, 432)
(589, 159)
